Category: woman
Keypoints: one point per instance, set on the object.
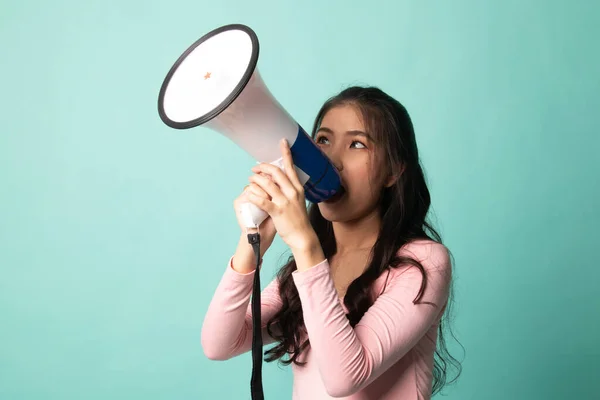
(358, 305)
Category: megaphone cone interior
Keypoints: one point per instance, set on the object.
(208, 76)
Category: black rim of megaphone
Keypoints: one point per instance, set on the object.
(234, 94)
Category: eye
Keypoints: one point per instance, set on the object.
(318, 141)
(363, 146)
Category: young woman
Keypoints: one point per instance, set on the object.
(359, 304)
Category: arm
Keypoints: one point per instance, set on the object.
(227, 326)
(349, 359)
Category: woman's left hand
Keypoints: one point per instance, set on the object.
(287, 206)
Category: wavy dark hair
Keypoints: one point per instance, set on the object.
(403, 208)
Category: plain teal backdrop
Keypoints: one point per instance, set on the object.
(115, 229)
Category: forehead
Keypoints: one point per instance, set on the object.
(343, 118)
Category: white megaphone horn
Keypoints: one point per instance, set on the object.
(215, 83)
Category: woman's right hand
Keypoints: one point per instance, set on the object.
(266, 228)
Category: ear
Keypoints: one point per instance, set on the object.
(393, 178)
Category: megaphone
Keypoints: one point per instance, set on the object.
(215, 83)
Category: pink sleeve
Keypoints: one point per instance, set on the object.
(349, 359)
(227, 326)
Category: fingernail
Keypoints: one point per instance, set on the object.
(284, 141)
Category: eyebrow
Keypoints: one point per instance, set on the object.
(351, 133)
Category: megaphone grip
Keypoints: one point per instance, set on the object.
(252, 216)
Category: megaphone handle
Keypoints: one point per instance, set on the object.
(252, 215)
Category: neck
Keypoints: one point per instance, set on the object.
(356, 235)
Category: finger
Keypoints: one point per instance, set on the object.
(268, 185)
(262, 203)
(288, 164)
(280, 178)
(257, 190)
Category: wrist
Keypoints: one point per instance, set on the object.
(305, 241)
(308, 253)
(244, 257)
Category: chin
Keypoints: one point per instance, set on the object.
(332, 213)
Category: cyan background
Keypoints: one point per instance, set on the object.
(115, 229)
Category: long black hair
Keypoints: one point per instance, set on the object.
(403, 208)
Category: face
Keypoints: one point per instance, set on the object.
(345, 140)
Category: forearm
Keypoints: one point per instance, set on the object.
(227, 327)
(223, 326)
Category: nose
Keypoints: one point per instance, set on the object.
(335, 159)
(337, 163)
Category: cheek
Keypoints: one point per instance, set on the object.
(361, 176)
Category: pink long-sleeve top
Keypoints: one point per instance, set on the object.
(387, 355)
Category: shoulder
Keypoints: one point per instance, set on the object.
(431, 254)
(434, 258)
(406, 281)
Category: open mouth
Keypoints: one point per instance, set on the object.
(337, 196)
